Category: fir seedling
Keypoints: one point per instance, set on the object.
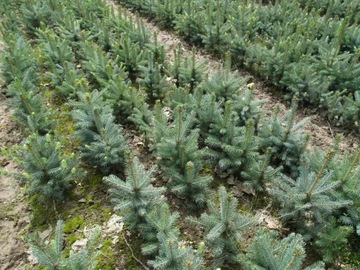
(160, 221)
(216, 37)
(157, 52)
(268, 252)
(223, 227)
(131, 55)
(50, 255)
(208, 112)
(67, 81)
(247, 107)
(136, 196)
(100, 68)
(190, 24)
(49, 175)
(260, 172)
(55, 51)
(124, 98)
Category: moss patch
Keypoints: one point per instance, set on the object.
(73, 224)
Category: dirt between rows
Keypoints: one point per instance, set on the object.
(13, 210)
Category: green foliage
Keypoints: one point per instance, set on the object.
(50, 255)
(30, 112)
(165, 12)
(331, 240)
(49, 175)
(223, 227)
(281, 134)
(131, 55)
(159, 222)
(55, 51)
(302, 51)
(99, 66)
(216, 34)
(135, 197)
(259, 173)
(102, 143)
(268, 252)
(172, 256)
(247, 107)
(191, 72)
(36, 13)
(192, 184)
(124, 98)
(67, 81)
(152, 81)
(224, 83)
(310, 200)
(232, 148)
(178, 143)
(190, 24)
(18, 60)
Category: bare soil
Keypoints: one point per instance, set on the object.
(13, 209)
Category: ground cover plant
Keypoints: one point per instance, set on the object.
(107, 77)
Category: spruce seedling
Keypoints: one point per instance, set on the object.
(223, 227)
(268, 252)
(48, 174)
(136, 196)
(50, 255)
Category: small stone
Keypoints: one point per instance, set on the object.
(79, 244)
(83, 200)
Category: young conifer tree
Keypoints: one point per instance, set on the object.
(191, 72)
(181, 159)
(281, 134)
(309, 201)
(268, 252)
(18, 60)
(30, 111)
(178, 143)
(223, 227)
(136, 196)
(224, 83)
(153, 82)
(50, 255)
(102, 143)
(172, 256)
(159, 221)
(331, 240)
(49, 174)
(131, 55)
(232, 148)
